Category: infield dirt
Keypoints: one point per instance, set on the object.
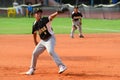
(95, 57)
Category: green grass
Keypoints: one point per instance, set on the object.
(60, 25)
(101, 26)
(15, 25)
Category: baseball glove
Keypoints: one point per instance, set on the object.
(60, 11)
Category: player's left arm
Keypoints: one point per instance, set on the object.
(80, 21)
(81, 18)
(78, 17)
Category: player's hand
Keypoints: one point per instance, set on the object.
(36, 43)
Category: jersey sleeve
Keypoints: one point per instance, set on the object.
(34, 27)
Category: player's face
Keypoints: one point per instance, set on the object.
(37, 16)
(76, 10)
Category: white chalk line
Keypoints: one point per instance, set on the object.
(98, 29)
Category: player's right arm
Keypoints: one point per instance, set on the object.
(34, 32)
(35, 38)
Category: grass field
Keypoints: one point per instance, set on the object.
(60, 25)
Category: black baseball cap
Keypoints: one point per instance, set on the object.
(38, 11)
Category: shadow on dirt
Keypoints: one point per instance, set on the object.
(90, 75)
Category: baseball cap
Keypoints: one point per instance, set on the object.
(38, 11)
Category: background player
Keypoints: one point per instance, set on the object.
(43, 27)
(76, 22)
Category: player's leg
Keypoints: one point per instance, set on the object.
(50, 44)
(73, 29)
(37, 51)
(80, 30)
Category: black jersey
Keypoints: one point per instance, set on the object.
(76, 15)
(41, 27)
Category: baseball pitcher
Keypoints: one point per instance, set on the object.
(42, 26)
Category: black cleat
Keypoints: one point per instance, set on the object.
(81, 36)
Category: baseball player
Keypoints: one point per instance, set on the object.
(76, 22)
(42, 26)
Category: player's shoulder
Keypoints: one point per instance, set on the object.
(79, 12)
(34, 22)
(73, 12)
(44, 18)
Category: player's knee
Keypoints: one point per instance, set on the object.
(74, 27)
(50, 52)
(35, 54)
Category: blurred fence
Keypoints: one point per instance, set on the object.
(101, 11)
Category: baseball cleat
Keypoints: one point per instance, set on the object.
(72, 36)
(62, 68)
(30, 71)
(81, 36)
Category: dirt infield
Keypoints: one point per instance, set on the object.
(95, 57)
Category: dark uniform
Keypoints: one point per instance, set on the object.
(41, 27)
(76, 24)
(76, 15)
(47, 42)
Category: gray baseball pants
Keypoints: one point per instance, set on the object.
(76, 25)
(45, 45)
